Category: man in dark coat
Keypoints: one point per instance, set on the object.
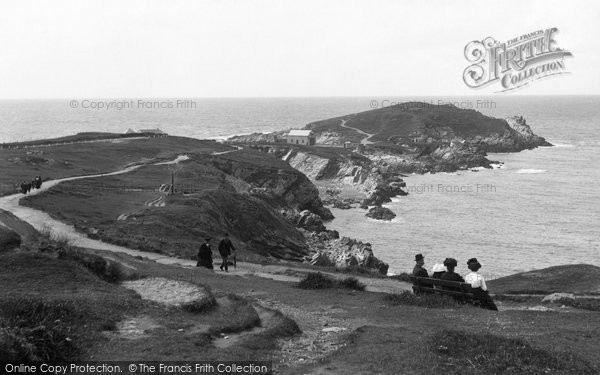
(450, 275)
(205, 255)
(419, 271)
(225, 249)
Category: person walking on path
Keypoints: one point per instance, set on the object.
(205, 255)
(478, 285)
(225, 249)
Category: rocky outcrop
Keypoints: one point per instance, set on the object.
(381, 213)
(343, 253)
(517, 136)
(309, 221)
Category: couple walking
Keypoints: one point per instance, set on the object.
(226, 250)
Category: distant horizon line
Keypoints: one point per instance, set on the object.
(298, 97)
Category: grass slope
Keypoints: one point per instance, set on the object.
(580, 278)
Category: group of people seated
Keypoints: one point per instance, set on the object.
(445, 271)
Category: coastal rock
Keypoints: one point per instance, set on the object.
(345, 253)
(381, 213)
(310, 221)
(9, 239)
(320, 259)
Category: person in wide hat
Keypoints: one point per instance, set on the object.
(479, 286)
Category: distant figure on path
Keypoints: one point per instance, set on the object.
(438, 269)
(419, 271)
(28, 185)
(38, 182)
(23, 187)
(478, 284)
(225, 249)
(205, 255)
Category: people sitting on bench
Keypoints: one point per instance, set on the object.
(478, 285)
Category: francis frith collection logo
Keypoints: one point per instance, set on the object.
(515, 63)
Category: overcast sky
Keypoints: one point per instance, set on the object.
(225, 48)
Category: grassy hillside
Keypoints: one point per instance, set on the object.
(580, 278)
(52, 162)
(404, 120)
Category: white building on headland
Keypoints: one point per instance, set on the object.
(301, 137)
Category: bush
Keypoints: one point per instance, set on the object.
(351, 283)
(316, 280)
(422, 300)
(488, 353)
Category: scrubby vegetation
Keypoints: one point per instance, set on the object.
(421, 300)
(317, 280)
(464, 352)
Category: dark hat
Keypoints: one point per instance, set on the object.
(473, 264)
(208, 239)
(419, 257)
(450, 262)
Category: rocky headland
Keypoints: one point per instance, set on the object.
(361, 159)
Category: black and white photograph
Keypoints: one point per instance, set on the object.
(299, 187)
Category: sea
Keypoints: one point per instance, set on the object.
(537, 209)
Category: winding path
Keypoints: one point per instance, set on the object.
(364, 141)
(40, 220)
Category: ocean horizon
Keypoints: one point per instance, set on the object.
(539, 210)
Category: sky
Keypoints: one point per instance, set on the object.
(276, 48)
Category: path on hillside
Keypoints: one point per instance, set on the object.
(364, 141)
(40, 220)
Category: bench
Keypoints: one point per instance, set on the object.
(458, 290)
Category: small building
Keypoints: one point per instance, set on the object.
(301, 137)
(152, 131)
(130, 131)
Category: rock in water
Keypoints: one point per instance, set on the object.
(9, 239)
(381, 213)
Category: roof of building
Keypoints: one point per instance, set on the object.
(130, 131)
(300, 133)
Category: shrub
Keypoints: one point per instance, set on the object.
(488, 353)
(315, 280)
(351, 283)
(422, 300)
